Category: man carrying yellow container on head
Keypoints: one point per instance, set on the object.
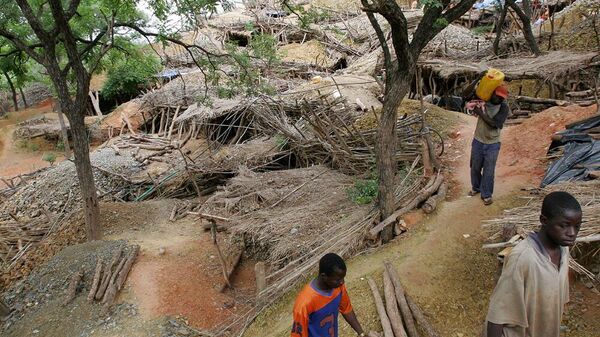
(486, 98)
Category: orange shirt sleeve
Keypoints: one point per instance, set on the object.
(345, 305)
(300, 313)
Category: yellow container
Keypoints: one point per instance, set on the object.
(492, 80)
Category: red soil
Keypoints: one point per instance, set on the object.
(185, 283)
(524, 146)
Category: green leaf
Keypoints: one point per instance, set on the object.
(440, 23)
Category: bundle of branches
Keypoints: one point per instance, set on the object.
(256, 154)
(267, 209)
(325, 133)
(17, 235)
(546, 67)
(147, 148)
(525, 219)
(280, 222)
(39, 127)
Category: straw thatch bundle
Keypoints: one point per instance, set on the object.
(526, 218)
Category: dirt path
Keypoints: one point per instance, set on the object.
(178, 273)
(440, 261)
(23, 157)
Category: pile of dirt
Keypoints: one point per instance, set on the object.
(60, 184)
(53, 194)
(524, 146)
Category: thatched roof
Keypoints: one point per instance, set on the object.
(203, 113)
(551, 65)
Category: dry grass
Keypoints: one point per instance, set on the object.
(312, 52)
(440, 119)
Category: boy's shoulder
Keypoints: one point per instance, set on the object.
(524, 253)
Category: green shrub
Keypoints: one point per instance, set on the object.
(60, 146)
(281, 142)
(50, 158)
(364, 191)
(127, 78)
(480, 30)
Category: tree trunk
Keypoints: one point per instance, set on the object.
(526, 21)
(91, 209)
(65, 135)
(95, 102)
(499, 27)
(23, 98)
(385, 149)
(12, 89)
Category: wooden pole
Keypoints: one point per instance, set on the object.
(127, 267)
(173, 122)
(221, 257)
(420, 318)
(96, 280)
(260, 272)
(95, 102)
(385, 322)
(71, 291)
(65, 135)
(392, 306)
(409, 321)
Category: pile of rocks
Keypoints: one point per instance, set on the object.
(456, 41)
(60, 185)
(36, 93)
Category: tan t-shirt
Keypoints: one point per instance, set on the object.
(531, 292)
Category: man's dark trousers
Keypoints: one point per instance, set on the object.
(483, 166)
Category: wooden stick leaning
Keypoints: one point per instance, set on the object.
(236, 262)
(221, 257)
(385, 322)
(409, 321)
(392, 306)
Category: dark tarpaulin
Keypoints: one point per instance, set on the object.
(575, 164)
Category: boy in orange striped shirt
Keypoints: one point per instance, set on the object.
(319, 302)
